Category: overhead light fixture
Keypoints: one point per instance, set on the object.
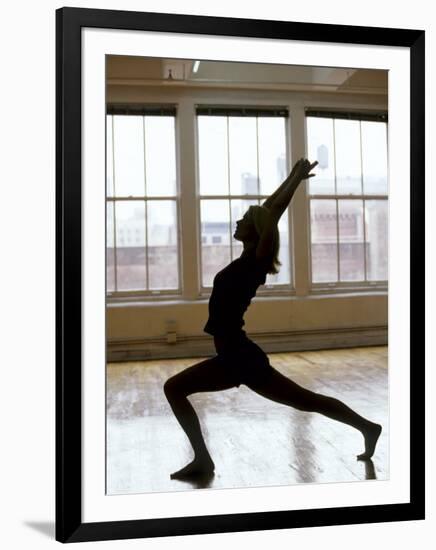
(196, 65)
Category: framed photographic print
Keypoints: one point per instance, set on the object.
(240, 275)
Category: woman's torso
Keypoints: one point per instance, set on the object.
(233, 289)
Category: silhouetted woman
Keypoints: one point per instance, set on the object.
(238, 360)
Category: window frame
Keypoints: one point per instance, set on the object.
(246, 108)
(143, 109)
(340, 287)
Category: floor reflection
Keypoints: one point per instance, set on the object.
(370, 472)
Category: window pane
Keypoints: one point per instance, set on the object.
(238, 209)
(213, 158)
(374, 157)
(243, 156)
(324, 241)
(215, 238)
(129, 156)
(160, 155)
(272, 153)
(162, 245)
(347, 156)
(376, 227)
(109, 157)
(284, 274)
(110, 249)
(130, 243)
(321, 148)
(351, 240)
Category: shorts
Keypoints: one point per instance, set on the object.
(244, 359)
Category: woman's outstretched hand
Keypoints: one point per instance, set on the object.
(281, 197)
(302, 169)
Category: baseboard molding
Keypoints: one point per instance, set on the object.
(202, 345)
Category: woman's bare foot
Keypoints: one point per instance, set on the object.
(371, 435)
(198, 467)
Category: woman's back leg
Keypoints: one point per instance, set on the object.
(277, 387)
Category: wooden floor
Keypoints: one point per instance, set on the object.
(253, 441)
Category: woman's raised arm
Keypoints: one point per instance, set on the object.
(277, 203)
(282, 196)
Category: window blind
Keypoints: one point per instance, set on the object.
(242, 111)
(349, 115)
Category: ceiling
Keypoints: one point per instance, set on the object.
(143, 71)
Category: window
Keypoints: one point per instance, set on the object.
(241, 157)
(142, 202)
(241, 160)
(348, 199)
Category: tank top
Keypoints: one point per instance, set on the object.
(233, 289)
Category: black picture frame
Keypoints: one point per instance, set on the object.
(69, 525)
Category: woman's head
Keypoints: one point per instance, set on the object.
(249, 229)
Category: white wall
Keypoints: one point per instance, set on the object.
(27, 311)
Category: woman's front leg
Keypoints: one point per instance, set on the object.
(205, 376)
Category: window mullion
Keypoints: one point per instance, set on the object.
(114, 213)
(363, 203)
(190, 227)
(364, 239)
(228, 189)
(338, 262)
(299, 208)
(147, 278)
(338, 248)
(147, 285)
(257, 156)
(229, 201)
(350, 197)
